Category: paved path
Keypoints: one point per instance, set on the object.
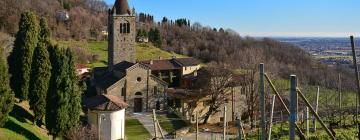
(147, 120)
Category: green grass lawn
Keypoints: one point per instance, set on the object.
(171, 122)
(134, 130)
(19, 127)
(144, 51)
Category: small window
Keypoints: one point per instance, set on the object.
(122, 91)
(155, 90)
(138, 79)
(221, 119)
(138, 93)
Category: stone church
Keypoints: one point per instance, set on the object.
(124, 77)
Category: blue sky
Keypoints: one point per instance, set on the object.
(322, 18)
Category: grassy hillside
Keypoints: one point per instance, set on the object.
(144, 51)
(19, 126)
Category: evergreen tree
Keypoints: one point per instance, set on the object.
(20, 59)
(155, 37)
(74, 92)
(6, 94)
(40, 73)
(64, 97)
(57, 113)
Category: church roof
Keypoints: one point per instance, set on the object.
(187, 61)
(105, 103)
(170, 64)
(122, 66)
(121, 7)
(161, 64)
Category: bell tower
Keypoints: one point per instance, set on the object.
(122, 34)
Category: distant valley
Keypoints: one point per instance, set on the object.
(328, 50)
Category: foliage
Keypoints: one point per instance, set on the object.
(63, 98)
(87, 17)
(141, 33)
(155, 37)
(6, 94)
(20, 59)
(182, 22)
(74, 91)
(40, 74)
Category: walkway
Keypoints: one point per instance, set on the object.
(146, 119)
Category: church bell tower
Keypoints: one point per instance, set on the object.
(122, 34)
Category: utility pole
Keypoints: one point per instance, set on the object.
(262, 103)
(293, 107)
(357, 82)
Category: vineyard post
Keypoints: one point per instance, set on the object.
(293, 103)
(271, 117)
(357, 82)
(262, 103)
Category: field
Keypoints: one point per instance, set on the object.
(144, 51)
(19, 126)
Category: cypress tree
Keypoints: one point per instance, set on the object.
(40, 74)
(6, 94)
(20, 59)
(74, 92)
(57, 109)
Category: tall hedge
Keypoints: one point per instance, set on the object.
(40, 74)
(6, 94)
(20, 59)
(63, 99)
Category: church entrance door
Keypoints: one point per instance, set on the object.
(138, 105)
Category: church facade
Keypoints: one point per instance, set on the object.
(124, 77)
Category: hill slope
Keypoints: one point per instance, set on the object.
(19, 125)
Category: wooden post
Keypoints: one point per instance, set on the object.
(271, 117)
(262, 103)
(316, 115)
(302, 136)
(293, 103)
(340, 100)
(307, 120)
(155, 126)
(224, 131)
(161, 132)
(197, 126)
(316, 108)
(357, 81)
(238, 126)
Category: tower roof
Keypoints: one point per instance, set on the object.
(121, 7)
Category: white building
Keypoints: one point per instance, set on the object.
(107, 113)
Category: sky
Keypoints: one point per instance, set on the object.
(263, 18)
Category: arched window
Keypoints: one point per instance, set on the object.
(125, 27)
(121, 28)
(128, 27)
(138, 93)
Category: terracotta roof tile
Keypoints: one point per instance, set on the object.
(165, 64)
(105, 103)
(187, 61)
